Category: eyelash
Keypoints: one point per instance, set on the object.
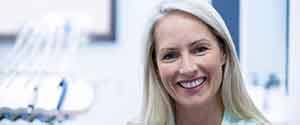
(200, 50)
(169, 56)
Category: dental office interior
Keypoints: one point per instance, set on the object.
(97, 78)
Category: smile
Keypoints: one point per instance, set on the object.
(190, 84)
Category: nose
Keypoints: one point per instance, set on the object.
(188, 67)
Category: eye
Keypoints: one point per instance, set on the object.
(200, 50)
(169, 56)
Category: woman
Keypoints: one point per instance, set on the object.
(192, 75)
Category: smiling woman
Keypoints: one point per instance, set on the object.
(192, 74)
(189, 63)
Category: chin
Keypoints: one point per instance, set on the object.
(192, 102)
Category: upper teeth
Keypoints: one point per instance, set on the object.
(192, 84)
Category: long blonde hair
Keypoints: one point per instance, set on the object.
(158, 107)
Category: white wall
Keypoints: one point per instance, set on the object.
(95, 12)
(294, 58)
(114, 68)
(263, 29)
(263, 51)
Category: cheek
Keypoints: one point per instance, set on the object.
(215, 76)
(166, 72)
(213, 67)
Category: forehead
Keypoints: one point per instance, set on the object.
(176, 16)
(180, 26)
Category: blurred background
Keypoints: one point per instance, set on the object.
(265, 33)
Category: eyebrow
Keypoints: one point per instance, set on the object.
(166, 49)
(203, 40)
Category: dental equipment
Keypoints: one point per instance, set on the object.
(35, 81)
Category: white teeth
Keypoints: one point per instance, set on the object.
(192, 84)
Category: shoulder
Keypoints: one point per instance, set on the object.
(231, 119)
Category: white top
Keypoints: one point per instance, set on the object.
(228, 119)
(231, 119)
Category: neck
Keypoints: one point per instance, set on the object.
(210, 113)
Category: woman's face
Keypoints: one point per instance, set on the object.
(188, 58)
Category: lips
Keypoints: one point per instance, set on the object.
(190, 84)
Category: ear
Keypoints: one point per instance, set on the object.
(223, 58)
